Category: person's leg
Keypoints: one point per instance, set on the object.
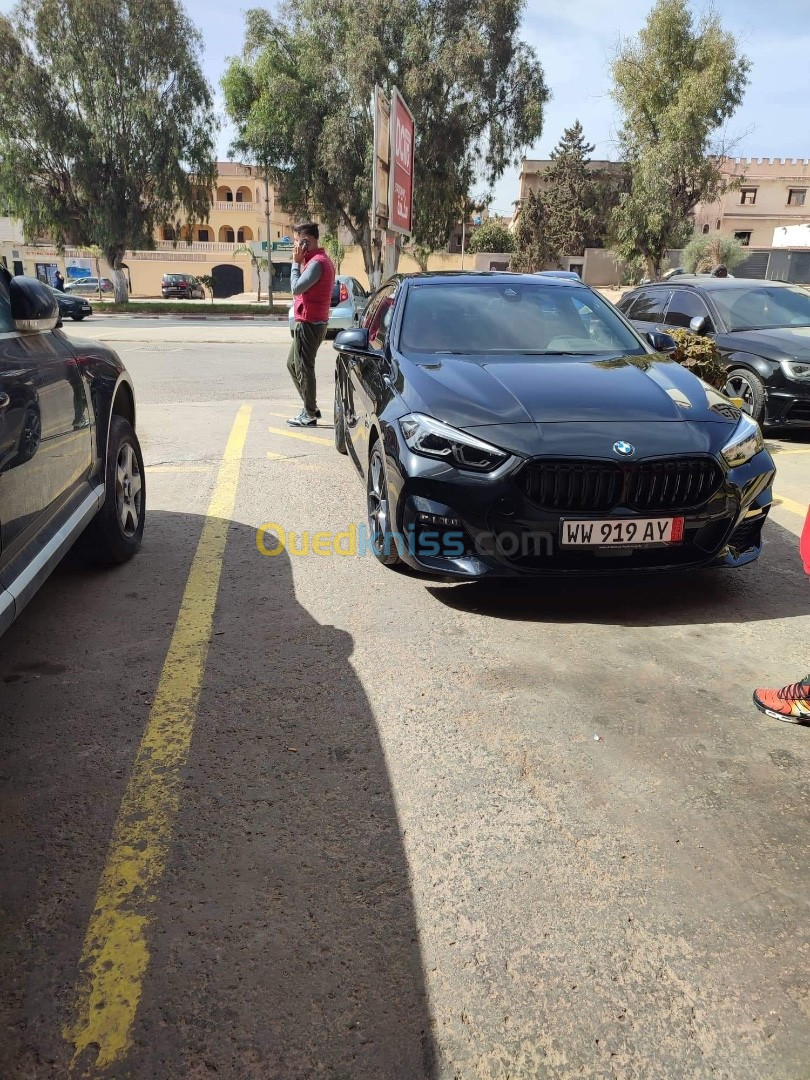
(791, 703)
(311, 338)
(294, 360)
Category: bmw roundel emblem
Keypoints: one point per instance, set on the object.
(624, 449)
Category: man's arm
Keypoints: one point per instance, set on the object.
(300, 282)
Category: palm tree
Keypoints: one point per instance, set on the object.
(259, 263)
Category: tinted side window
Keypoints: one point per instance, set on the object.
(371, 307)
(627, 302)
(6, 322)
(685, 306)
(381, 321)
(649, 305)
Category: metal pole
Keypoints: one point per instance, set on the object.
(463, 235)
(269, 243)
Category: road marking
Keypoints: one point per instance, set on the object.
(791, 505)
(115, 954)
(300, 435)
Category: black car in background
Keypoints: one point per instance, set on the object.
(510, 424)
(762, 329)
(70, 463)
(182, 287)
(72, 307)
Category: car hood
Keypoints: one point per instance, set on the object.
(474, 392)
(792, 342)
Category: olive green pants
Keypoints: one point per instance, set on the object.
(307, 339)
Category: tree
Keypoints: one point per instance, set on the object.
(493, 235)
(567, 194)
(335, 250)
(703, 253)
(258, 262)
(532, 249)
(207, 281)
(304, 86)
(107, 123)
(96, 254)
(676, 85)
(421, 253)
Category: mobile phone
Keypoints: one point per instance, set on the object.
(303, 243)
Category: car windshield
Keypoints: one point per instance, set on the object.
(763, 307)
(506, 317)
(174, 277)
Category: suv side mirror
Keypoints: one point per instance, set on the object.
(33, 306)
(352, 341)
(698, 324)
(661, 342)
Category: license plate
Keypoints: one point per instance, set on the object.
(621, 532)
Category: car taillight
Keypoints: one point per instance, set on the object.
(344, 293)
(182, 284)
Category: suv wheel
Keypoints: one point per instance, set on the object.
(116, 532)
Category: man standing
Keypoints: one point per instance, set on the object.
(311, 280)
(59, 281)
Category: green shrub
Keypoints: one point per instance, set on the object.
(700, 355)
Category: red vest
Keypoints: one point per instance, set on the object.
(314, 304)
(804, 544)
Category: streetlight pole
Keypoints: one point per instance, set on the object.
(269, 242)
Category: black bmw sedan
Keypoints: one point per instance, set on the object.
(510, 424)
(762, 329)
(71, 307)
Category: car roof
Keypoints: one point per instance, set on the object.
(712, 284)
(441, 277)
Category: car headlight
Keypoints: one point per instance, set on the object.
(425, 435)
(795, 369)
(744, 443)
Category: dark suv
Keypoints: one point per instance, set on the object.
(761, 327)
(182, 286)
(70, 463)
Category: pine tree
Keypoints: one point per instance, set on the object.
(532, 249)
(568, 194)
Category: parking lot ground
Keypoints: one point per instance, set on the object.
(310, 817)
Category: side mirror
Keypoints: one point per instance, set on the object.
(33, 306)
(698, 324)
(661, 342)
(353, 341)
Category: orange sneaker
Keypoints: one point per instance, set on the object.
(791, 703)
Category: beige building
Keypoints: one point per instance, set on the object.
(237, 216)
(772, 193)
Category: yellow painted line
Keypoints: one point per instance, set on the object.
(300, 435)
(791, 505)
(115, 954)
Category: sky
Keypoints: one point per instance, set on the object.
(575, 40)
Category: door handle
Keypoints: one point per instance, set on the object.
(5, 401)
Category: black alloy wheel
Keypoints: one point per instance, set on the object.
(379, 523)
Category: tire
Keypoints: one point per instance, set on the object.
(340, 422)
(744, 383)
(77, 318)
(378, 503)
(115, 533)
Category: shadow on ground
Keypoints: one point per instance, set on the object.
(774, 587)
(284, 940)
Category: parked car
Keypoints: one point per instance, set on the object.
(182, 286)
(71, 307)
(761, 327)
(89, 285)
(510, 425)
(70, 463)
(348, 302)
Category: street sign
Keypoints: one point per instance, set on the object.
(400, 179)
(382, 157)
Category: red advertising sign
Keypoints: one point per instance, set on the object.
(400, 217)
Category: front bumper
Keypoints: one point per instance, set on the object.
(788, 403)
(466, 525)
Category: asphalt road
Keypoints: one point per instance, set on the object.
(300, 816)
